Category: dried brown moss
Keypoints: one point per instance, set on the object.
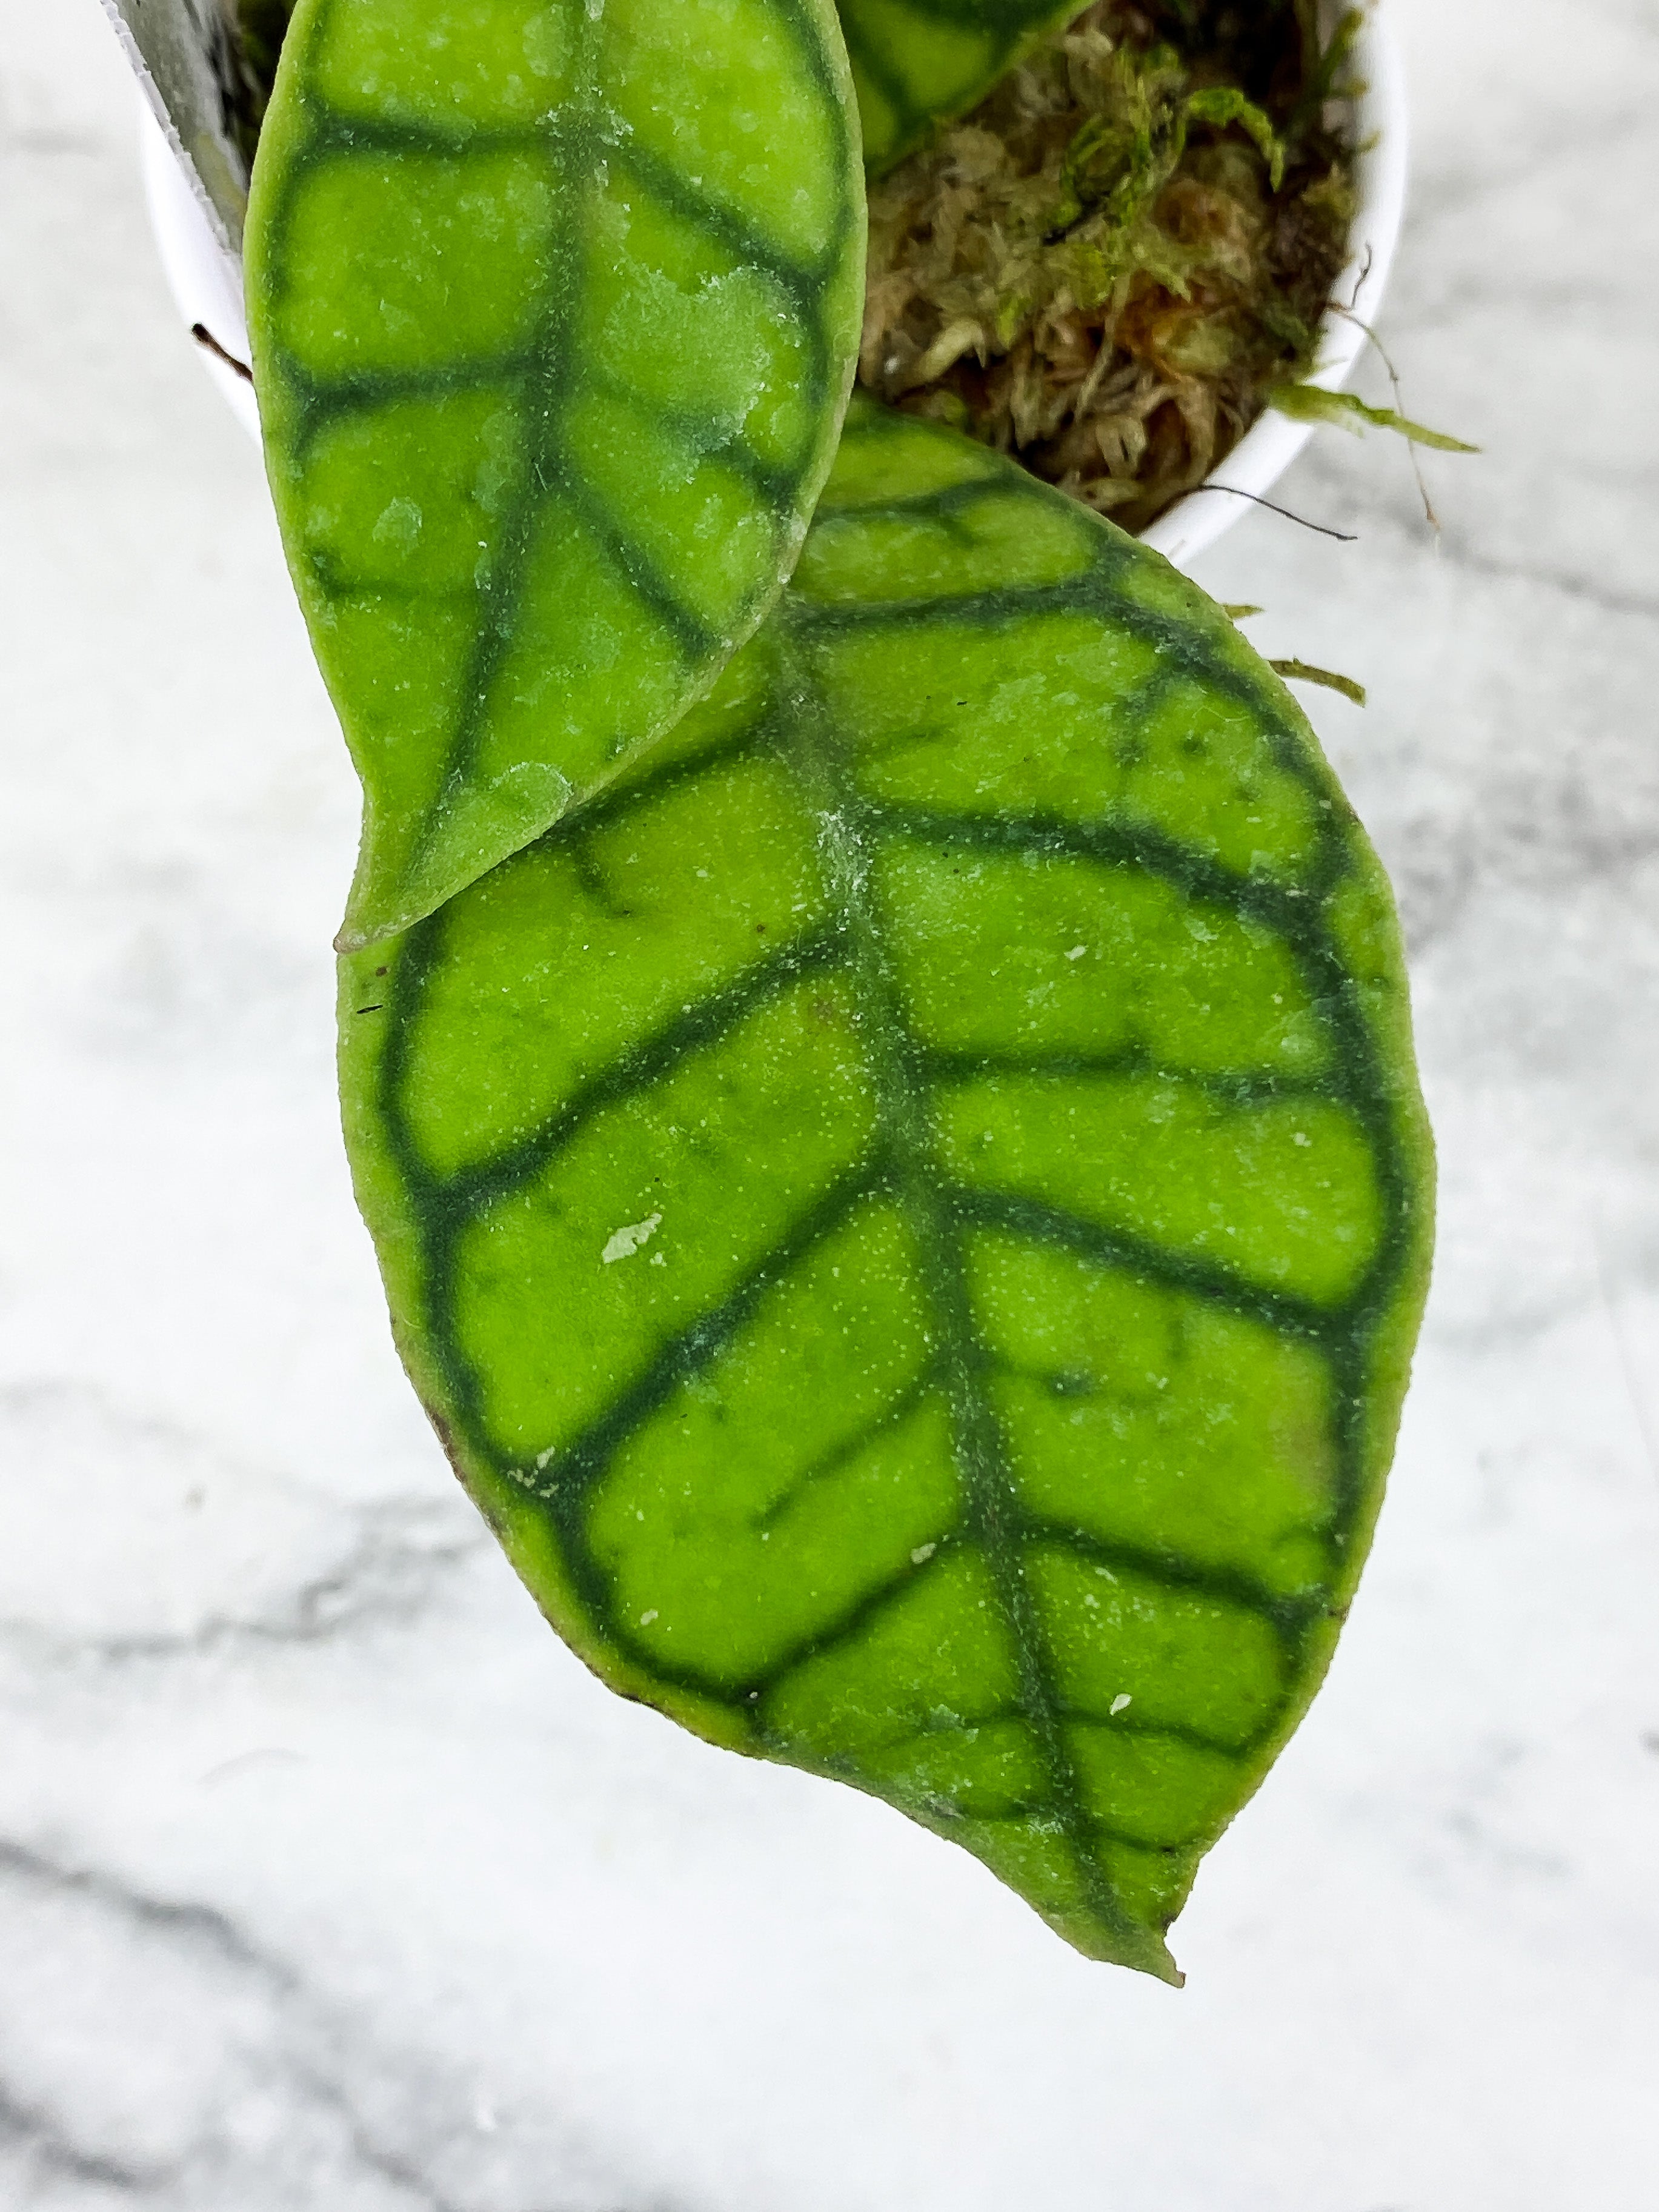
(1104, 268)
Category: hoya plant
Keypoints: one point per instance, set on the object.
(874, 1052)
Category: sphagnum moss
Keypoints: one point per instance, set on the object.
(1105, 268)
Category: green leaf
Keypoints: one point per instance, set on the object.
(1312, 403)
(554, 308)
(910, 1212)
(915, 63)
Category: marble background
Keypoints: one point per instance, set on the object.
(327, 1879)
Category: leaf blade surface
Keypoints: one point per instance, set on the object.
(554, 310)
(911, 1211)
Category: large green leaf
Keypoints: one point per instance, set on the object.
(910, 1212)
(553, 307)
(918, 62)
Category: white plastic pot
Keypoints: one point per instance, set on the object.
(206, 284)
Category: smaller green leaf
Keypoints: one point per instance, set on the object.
(553, 307)
(1312, 403)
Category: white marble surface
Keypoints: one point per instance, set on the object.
(326, 1879)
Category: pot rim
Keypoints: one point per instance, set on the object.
(206, 282)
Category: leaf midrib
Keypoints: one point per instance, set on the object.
(815, 754)
(568, 138)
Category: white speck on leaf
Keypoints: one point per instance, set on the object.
(646, 1619)
(1119, 1702)
(399, 525)
(922, 1553)
(1076, 952)
(627, 1239)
